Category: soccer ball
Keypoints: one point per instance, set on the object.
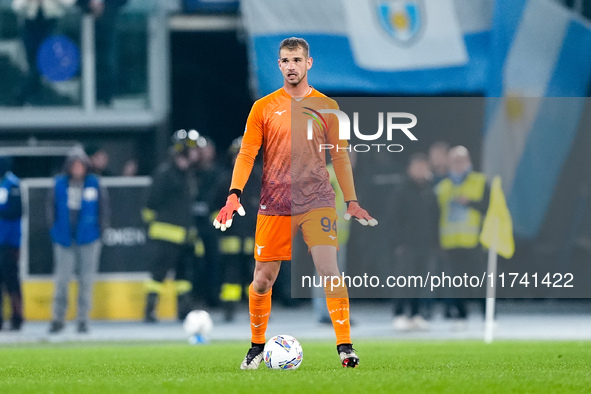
(283, 352)
(198, 323)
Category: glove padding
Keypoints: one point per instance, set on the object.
(224, 218)
(360, 214)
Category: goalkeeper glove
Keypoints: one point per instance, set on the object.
(360, 214)
(224, 218)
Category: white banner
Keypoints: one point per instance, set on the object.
(388, 35)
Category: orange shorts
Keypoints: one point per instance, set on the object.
(274, 233)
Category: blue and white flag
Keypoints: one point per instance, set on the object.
(540, 71)
(375, 46)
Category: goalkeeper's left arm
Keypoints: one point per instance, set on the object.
(344, 172)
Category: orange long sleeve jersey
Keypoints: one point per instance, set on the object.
(295, 178)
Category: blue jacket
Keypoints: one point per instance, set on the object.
(88, 229)
(10, 210)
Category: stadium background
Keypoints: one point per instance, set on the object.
(200, 64)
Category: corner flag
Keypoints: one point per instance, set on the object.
(497, 231)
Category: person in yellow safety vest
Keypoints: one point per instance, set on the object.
(463, 198)
(170, 226)
(237, 243)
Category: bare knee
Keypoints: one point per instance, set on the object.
(325, 260)
(265, 275)
(263, 282)
(328, 272)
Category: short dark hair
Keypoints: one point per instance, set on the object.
(440, 145)
(293, 43)
(420, 156)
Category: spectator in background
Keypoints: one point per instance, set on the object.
(106, 45)
(438, 153)
(237, 243)
(438, 158)
(207, 176)
(10, 238)
(463, 199)
(170, 227)
(77, 212)
(40, 19)
(99, 160)
(130, 168)
(416, 238)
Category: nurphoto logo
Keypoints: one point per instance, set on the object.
(392, 125)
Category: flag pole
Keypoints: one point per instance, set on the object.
(491, 284)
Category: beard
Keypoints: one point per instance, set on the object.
(297, 81)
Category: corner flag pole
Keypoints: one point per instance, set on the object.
(497, 236)
(491, 285)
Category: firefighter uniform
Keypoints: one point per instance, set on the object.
(207, 276)
(236, 244)
(236, 247)
(170, 233)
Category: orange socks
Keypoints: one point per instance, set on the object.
(337, 301)
(260, 309)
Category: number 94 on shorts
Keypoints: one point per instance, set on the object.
(274, 233)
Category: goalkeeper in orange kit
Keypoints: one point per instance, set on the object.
(296, 194)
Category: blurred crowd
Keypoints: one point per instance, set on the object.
(439, 206)
(439, 212)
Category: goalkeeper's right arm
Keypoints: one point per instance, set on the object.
(224, 218)
(251, 143)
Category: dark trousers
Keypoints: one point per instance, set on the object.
(207, 279)
(414, 305)
(460, 262)
(238, 268)
(34, 33)
(411, 260)
(166, 256)
(10, 281)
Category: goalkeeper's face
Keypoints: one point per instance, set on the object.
(294, 65)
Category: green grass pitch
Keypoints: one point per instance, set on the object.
(389, 366)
